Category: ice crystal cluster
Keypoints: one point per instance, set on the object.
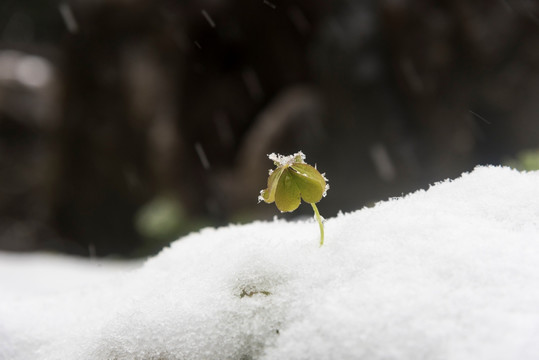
(445, 273)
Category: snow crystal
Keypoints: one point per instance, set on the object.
(446, 273)
(326, 188)
(286, 160)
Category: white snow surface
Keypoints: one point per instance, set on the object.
(447, 273)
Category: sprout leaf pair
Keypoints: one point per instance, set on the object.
(292, 181)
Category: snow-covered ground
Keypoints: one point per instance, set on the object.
(447, 273)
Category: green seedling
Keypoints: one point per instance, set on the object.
(292, 181)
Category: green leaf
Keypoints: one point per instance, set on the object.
(310, 190)
(269, 194)
(310, 182)
(287, 195)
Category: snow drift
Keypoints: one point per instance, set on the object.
(447, 273)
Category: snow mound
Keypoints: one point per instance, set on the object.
(447, 273)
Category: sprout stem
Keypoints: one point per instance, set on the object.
(319, 219)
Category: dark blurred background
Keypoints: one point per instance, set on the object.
(127, 123)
